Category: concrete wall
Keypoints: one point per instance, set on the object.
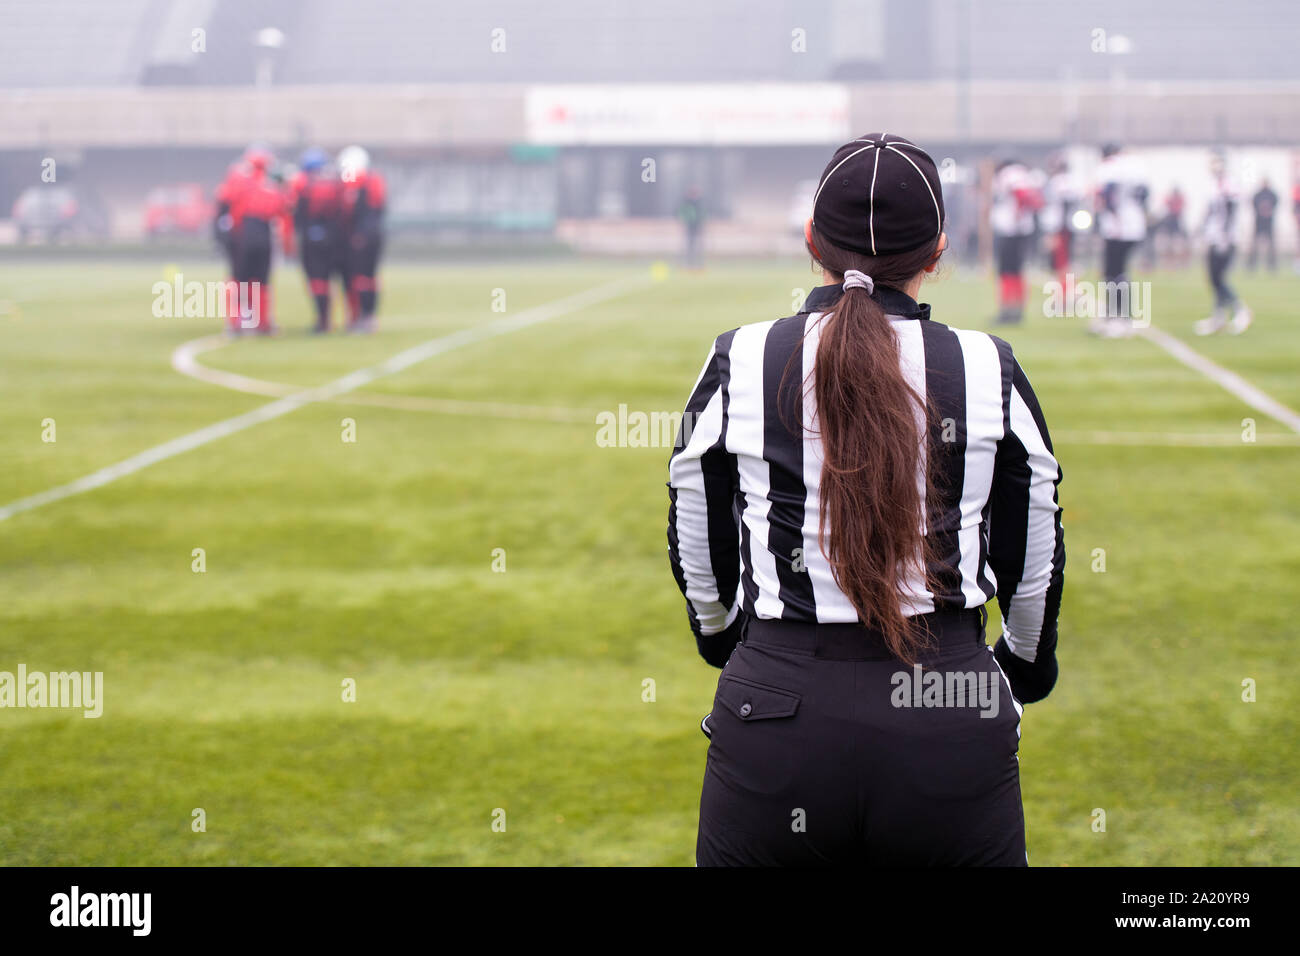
(987, 113)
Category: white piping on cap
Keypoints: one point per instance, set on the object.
(832, 173)
(938, 216)
(871, 203)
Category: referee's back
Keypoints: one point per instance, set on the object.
(855, 561)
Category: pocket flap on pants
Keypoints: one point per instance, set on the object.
(751, 701)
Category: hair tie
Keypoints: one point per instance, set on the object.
(853, 279)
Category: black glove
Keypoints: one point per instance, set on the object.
(1030, 680)
(716, 648)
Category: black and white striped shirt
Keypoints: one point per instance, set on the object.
(743, 520)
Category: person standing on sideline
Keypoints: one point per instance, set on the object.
(1012, 206)
(317, 198)
(850, 486)
(691, 213)
(1060, 199)
(1220, 246)
(1172, 225)
(1295, 212)
(365, 198)
(1122, 221)
(1265, 204)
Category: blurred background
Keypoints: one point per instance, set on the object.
(516, 124)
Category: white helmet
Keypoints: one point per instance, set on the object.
(352, 161)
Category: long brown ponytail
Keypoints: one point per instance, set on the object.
(871, 423)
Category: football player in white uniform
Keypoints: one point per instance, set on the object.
(1220, 244)
(1122, 221)
(1015, 199)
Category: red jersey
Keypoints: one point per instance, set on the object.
(316, 201)
(236, 177)
(364, 199)
(256, 197)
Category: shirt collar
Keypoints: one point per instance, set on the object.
(895, 303)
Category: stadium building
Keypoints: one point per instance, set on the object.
(483, 129)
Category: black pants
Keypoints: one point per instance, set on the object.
(1115, 255)
(363, 254)
(364, 249)
(1263, 237)
(322, 256)
(253, 252)
(825, 751)
(322, 259)
(1217, 262)
(693, 258)
(1009, 253)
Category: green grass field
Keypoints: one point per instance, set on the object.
(373, 561)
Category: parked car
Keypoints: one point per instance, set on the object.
(53, 212)
(180, 209)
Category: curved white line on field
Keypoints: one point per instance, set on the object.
(185, 360)
(340, 386)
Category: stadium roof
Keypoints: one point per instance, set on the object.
(79, 43)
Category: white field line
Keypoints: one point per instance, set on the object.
(1229, 381)
(185, 361)
(353, 380)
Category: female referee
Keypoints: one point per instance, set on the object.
(852, 485)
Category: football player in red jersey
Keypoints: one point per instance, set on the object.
(258, 208)
(317, 198)
(223, 224)
(364, 199)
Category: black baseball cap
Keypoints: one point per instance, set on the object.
(879, 196)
